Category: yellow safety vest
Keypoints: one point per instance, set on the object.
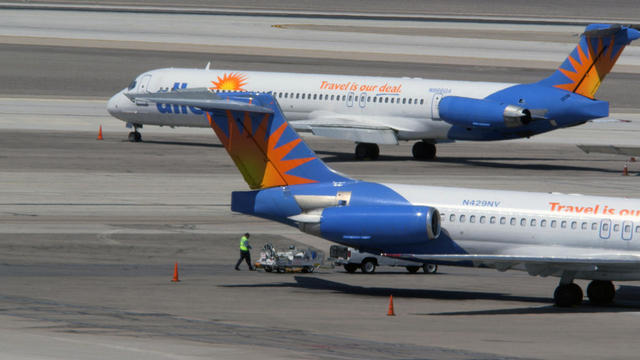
(243, 244)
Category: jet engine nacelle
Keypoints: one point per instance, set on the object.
(468, 112)
(375, 226)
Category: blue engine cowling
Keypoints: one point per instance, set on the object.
(377, 226)
(468, 112)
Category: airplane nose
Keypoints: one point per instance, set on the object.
(116, 103)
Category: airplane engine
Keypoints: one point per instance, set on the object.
(374, 226)
(468, 112)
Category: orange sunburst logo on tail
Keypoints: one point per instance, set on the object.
(590, 68)
(230, 81)
(255, 152)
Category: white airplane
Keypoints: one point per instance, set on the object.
(383, 110)
(544, 234)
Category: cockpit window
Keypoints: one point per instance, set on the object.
(132, 85)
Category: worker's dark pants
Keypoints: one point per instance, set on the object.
(244, 255)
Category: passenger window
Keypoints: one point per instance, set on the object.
(523, 222)
(563, 224)
(472, 219)
(513, 221)
(503, 220)
(462, 217)
(452, 217)
(286, 95)
(605, 227)
(332, 97)
(543, 223)
(637, 229)
(627, 228)
(303, 96)
(574, 225)
(483, 219)
(492, 220)
(386, 100)
(594, 226)
(392, 100)
(533, 222)
(616, 227)
(404, 100)
(315, 96)
(409, 101)
(368, 98)
(584, 226)
(297, 95)
(326, 96)
(344, 97)
(553, 223)
(421, 101)
(350, 97)
(375, 99)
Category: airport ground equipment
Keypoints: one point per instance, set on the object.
(352, 260)
(292, 260)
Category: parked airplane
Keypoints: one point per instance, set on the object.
(569, 236)
(383, 110)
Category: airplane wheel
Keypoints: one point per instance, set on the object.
(601, 292)
(368, 266)
(424, 151)
(367, 150)
(132, 137)
(374, 151)
(138, 136)
(568, 295)
(413, 269)
(430, 268)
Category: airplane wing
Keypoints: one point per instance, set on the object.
(198, 97)
(540, 260)
(354, 128)
(611, 149)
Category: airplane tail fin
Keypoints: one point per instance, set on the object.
(253, 129)
(593, 58)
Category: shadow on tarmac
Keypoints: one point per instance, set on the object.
(180, 143)
(627, 297)
(485, 162)
(313, 283)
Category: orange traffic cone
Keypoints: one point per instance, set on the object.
(175, 274)
(100, 133)
(390, 312)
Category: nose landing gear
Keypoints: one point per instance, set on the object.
(135, 136)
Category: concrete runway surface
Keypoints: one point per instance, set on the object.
(90, 230)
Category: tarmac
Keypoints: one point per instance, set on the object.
(90, 230)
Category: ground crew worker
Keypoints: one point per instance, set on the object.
(244, 252)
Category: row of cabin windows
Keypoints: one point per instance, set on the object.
(574, 225)
(327, 97)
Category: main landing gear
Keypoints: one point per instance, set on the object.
(423, 150)
(600, 292)
(135, 136)
(367, 151)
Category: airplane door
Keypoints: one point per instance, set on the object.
(350, 96)
(627, 230)
(435, 101)
(143, 86)
(605, 229)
